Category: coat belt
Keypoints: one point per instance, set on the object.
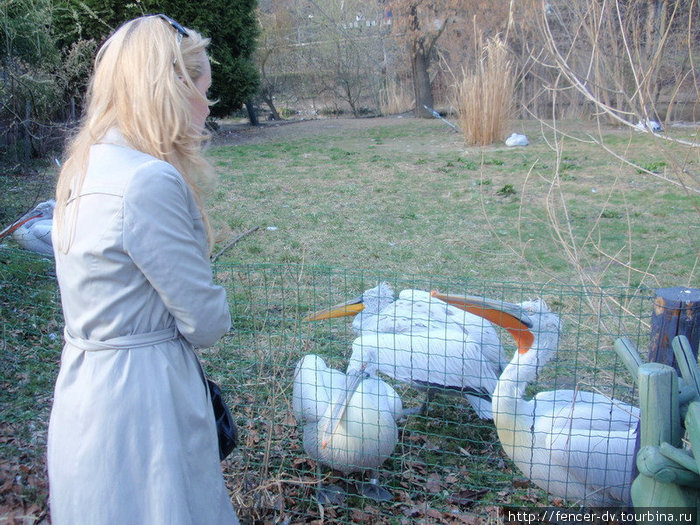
(123, 342)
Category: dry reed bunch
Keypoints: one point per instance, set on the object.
(484, 98)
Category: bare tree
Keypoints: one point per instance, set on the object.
(444, 29)
(621, 56)
(341, 51)
(420, 24)
(275, 54)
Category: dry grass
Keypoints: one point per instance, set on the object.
(484, 98)
(396, 98)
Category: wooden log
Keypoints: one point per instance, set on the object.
(681, 456)
(692, 425)
(658, 400)
(676, 311)
(653, 463)
(648, 492)
(687, 362)
(629, 355)
(686, 395)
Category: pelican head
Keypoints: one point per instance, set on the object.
(42, 211)
(370, 303)
(531, 323)
(32, 231)
(546, 325)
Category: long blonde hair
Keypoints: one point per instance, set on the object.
(142, 84)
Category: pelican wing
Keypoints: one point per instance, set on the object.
(428, 312)
(387, 399)
(443, 358)
(599, 460)
(443, 317)
(42, 230)
(408, 314)
(590, 439)
(563, 409)
(366, 433)
(36, 237)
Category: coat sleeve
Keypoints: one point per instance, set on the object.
(163, 236)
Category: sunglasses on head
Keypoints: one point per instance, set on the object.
(181, 31)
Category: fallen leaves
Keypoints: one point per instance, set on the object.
(23, 485)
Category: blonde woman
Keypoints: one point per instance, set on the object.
(132, 437)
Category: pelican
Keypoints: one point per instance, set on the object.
(574, 444)
(32, 231)
(349, 421)
(424, 342)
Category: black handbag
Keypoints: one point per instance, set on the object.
(225, 427)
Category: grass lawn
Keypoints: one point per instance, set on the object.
(408, 196)
(339, 205)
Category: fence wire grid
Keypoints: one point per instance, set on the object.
(447, 465)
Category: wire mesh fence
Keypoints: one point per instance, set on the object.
(445, 464)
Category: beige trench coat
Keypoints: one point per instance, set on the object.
(132, 438)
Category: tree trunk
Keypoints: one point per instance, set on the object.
(656, 26)
(420, 61)
(676, 312)
(421, 80)
(269, 100)
(252, 116)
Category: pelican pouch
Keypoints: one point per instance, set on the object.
(225, 427)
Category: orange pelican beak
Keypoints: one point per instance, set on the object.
(19, 222)
(506, 315)
(352, 307)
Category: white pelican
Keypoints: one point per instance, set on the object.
(349, 421)
(32, 231)
(574, 444)
(425, 342)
